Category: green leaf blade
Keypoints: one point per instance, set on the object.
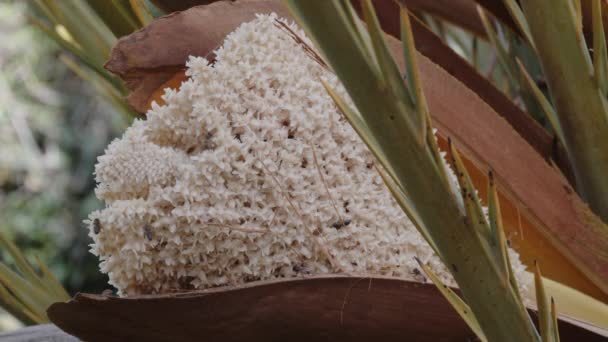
(461, 246)
(579, 102)
(463, 310)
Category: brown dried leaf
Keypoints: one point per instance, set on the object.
(179, 5)
(543, 195)
(149, 57)
(530, 241)
(462, 13)
(328, 308)
(430, 45)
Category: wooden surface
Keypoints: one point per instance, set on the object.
(42, 333)
(327, 308)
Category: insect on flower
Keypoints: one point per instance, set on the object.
(301, 269)
(96, 226)
(148, 233)
(418, 275)
(341, 223)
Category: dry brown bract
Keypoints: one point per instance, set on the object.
(149, 57)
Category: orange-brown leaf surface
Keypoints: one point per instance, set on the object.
(543, 197)
(151, 56)
(430, 45)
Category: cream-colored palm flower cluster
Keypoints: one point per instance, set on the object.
(249, 172)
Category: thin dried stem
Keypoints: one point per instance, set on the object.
(331, 199)
(239, 229)
(317, 241)
(307, 48)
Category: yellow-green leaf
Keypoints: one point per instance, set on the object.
(457, 303)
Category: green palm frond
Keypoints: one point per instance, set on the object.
(88, 30)
(577, 87)
(25, 292)
(392, 118)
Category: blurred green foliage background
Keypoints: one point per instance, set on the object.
(53, 125)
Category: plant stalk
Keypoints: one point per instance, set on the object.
(501, 315)
(580, 105)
